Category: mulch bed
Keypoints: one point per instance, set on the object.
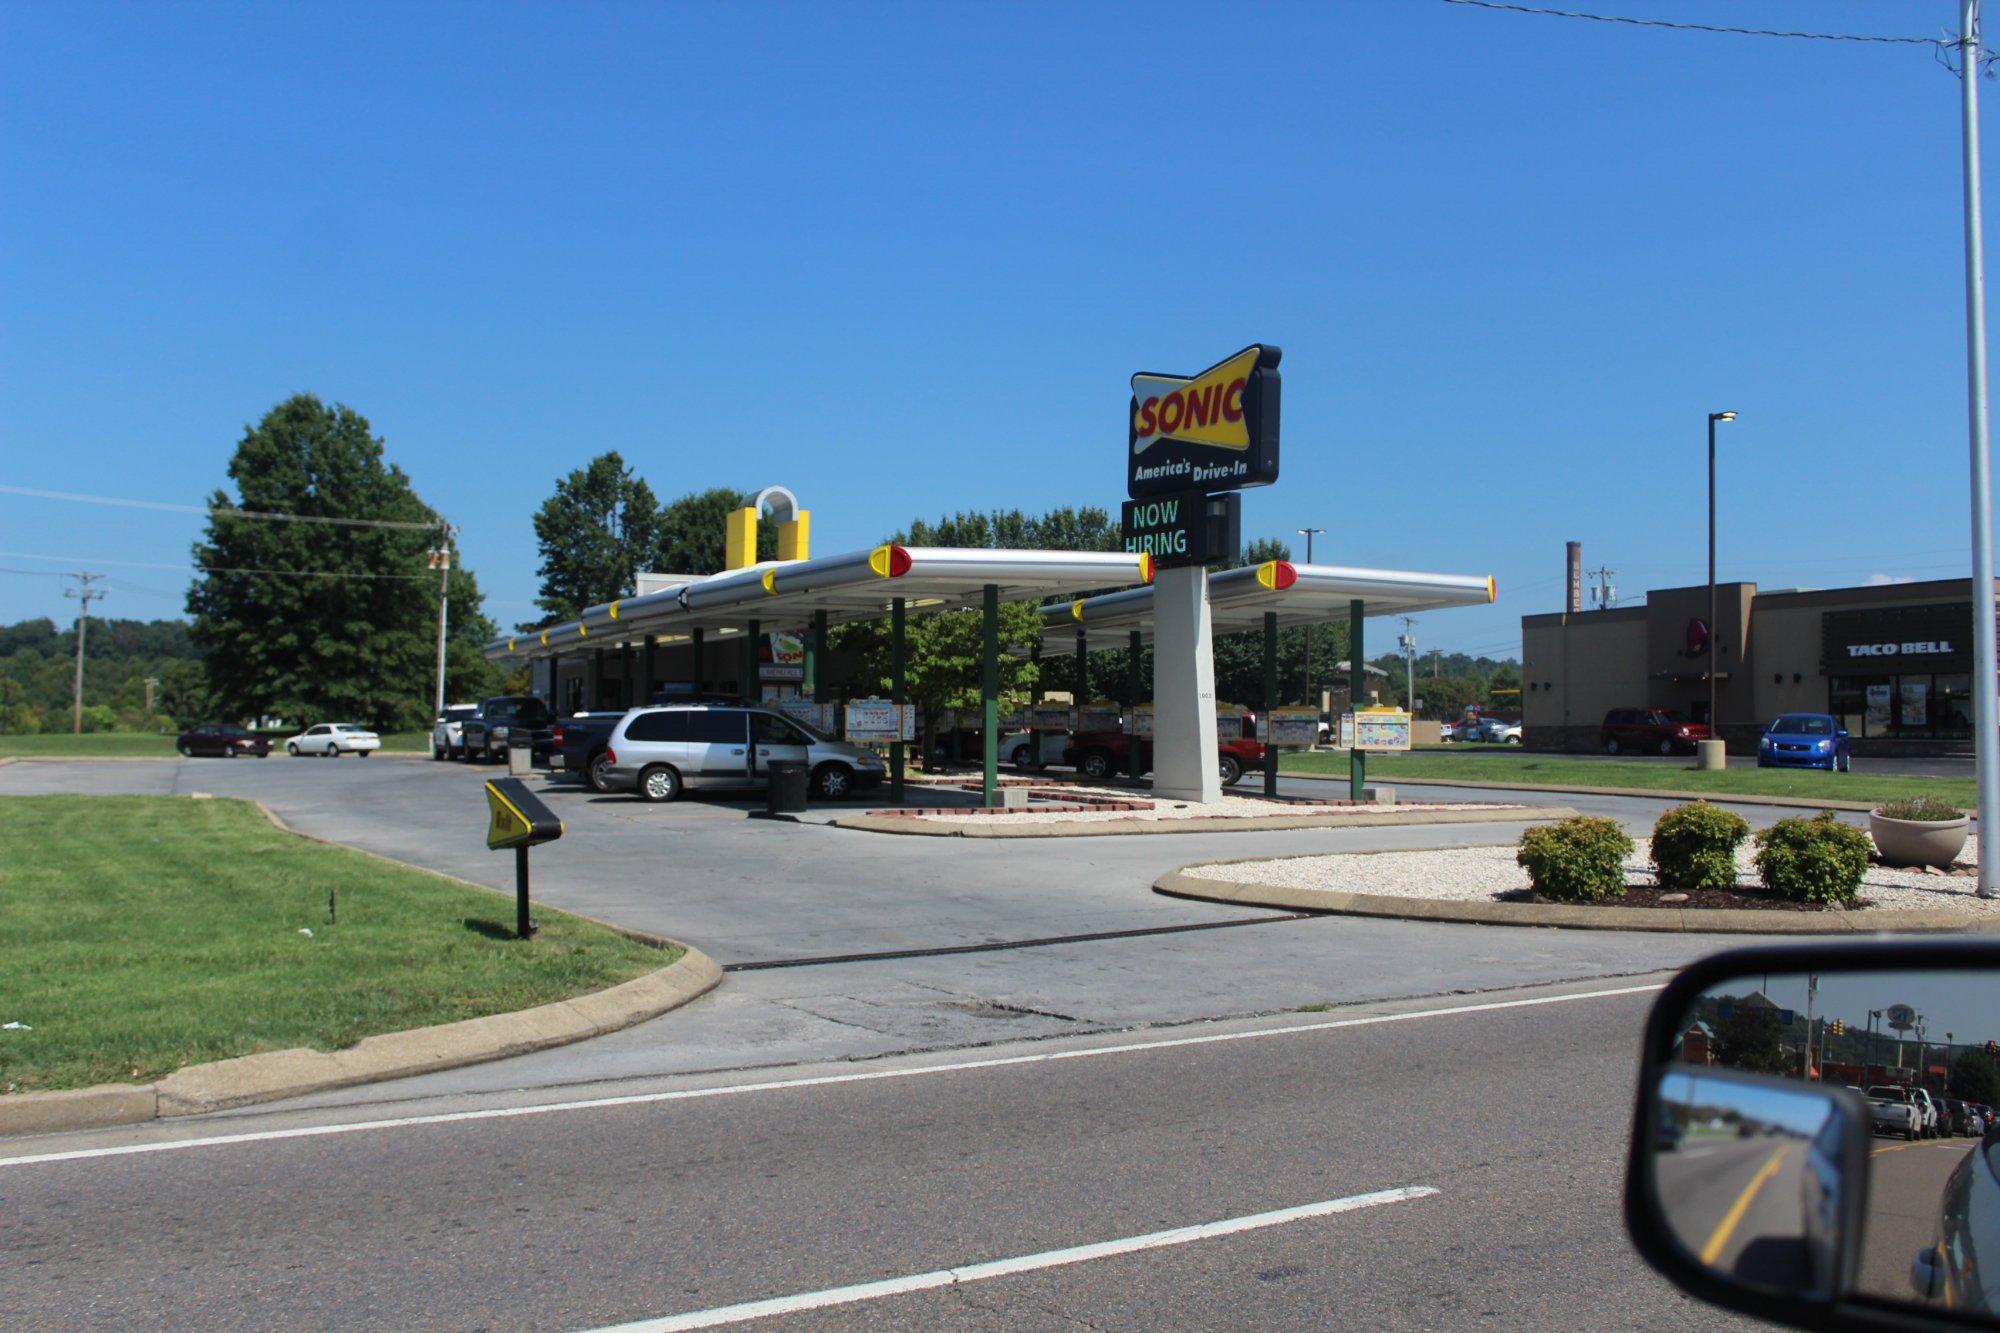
(1751, 897)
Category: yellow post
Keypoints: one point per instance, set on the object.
(795, 537)
(739, 545)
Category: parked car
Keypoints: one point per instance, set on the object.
(1102, 754)
(1635, 730)
(334, 739)
(1928, 1105)
(1804, 740)
(486, 730)
(448, 732)
(662, 751)
(577, 744)
(221, 739)
(1020, 750)
(1496, 732)
(1895, 1111)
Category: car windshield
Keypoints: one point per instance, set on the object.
(1803, 724)
(1893, 1094)
(459, 714)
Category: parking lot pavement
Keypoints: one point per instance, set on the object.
(750, 890)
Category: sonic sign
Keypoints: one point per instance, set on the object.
(1216, 431)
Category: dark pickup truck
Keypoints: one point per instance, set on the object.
(1106, 754)
(490, 730)
(576, 745)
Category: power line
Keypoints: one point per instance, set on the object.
(1724, 29)
(203, 569)
(220, 511)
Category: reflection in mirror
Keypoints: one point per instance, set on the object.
(1835, 1134)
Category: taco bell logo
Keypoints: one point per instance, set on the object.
(1918, 648)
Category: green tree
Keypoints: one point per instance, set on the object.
(1975, 1077)
(1446, 696)
(1749, 1039)
(599, 529)
(320, 621)
(692, 537)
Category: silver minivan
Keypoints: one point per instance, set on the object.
(662, 750)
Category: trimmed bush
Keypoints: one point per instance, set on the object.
(1694, 846)
(1923, 810)
(1579, 860)
(1817, 860)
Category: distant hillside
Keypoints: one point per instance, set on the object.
(38, 664)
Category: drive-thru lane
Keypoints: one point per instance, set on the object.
(600, 1214)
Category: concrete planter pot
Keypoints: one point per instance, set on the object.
(1918, 842)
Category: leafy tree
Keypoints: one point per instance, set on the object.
(1749, 1039)
(323, 621)
(599, 529)
(1446, 696)
(692, 537)
(1975, 1077)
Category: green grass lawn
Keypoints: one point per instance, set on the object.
(142, 933)
(1517, 769)
(151, 745)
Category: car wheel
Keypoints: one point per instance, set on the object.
(1666, 747)
(1910, 1134)
(1513, 740)
(1846, 763)
(1096, 765)
(1611, 746)
(597, 773)
(437, 753)
(291, 749)
(1232, 770)
(831, 782)
(363, 754)
(1019, 758)
(659, 783)
(187, 752)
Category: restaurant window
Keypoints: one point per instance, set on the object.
(1847, 700)
(1951, 705)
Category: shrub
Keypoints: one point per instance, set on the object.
(1581, 859)
(1694, 846)
(1817, 860)
(1925, 810)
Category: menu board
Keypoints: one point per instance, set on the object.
(1139, 720)
(1385, 730)
(874, 722)
(1054, 717)
(1228, 725)
(1099, 715)
(1294, 728)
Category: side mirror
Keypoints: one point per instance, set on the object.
(1760, 1180)
(1841, 733)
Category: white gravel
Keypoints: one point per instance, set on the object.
(1229, 807)
(1480, 873)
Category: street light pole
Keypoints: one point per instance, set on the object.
(1312, 695)
(1713, 417)
(1985, 674)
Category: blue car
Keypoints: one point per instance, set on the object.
(1804, 740)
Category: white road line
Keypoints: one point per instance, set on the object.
(823, 1080)
(1026, 1263)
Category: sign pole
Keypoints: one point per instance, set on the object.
(989, 698)
(1132, 688)
(1357, 760)
(523, 927)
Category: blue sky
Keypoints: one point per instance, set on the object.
(903, 259)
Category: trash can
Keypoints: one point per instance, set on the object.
(786, 792)
(521, 760)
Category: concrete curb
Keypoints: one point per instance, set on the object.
(1370, 818)
(274, 1075)
(1655, 793)
(1706, 921)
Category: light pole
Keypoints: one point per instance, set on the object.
(1710, 758)
(1312, 695)
(1985, 676)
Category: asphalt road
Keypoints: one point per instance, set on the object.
(1905, 1192)
(663, 1203)
(748, 890)
(1737, 1203)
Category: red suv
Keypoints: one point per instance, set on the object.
(1635, 730)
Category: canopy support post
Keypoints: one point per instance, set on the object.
(1270, 702)
(1132, 688)
(1357, 762)
(896, 626)
(989, 698)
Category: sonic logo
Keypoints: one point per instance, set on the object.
(1215, 431)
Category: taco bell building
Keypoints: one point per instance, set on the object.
(1892, 662)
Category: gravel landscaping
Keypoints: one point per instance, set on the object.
(1489, 874)
(1229, 807)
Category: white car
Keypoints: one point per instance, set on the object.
(448, 733)
(1503, 733)
(1018, 749)
(334, 739)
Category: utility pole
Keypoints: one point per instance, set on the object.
(1805, 1054)
(440, 560)
(1985, 680)
(1410, 661)
(152, 683)
(1312, 694)
(1605, 594)
(84, 595)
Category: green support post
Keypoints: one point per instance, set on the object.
(896, 697)
(596, 679)
(1270, 702)
(646, 681)
(1357, 762)
(555, 684)
(989, 698)
(752, 687)
(627, 675)
(815, 645)
(1132, 687)
(1082, 675)
(700, 664)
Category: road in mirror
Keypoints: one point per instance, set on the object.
(1833, 1134)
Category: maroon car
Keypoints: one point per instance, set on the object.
(220, 740)
(1650, 730)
